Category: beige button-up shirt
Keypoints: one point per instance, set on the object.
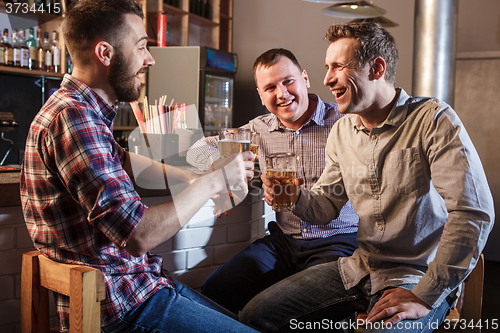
(418, 186)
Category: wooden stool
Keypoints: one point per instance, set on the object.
(84, 285)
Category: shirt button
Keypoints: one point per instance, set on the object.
(380, 227)
(298, 157)
(370, 166)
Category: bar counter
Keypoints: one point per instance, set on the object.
(10, 195)
(9, 189)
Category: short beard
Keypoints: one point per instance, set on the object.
(120, 80)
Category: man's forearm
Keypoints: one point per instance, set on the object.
(144, 168)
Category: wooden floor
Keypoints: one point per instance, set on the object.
(491, 295)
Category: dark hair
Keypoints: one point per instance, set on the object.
(272, 56)
(373, 41)
(91, 21)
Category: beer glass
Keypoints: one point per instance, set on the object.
(234, 140)
(254, 143)
(281, 171)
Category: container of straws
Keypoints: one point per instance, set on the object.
(158, 123)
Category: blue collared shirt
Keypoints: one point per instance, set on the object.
(308, 144)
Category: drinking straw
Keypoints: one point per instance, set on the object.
(138, 116)
(162, 120)
(184, 114)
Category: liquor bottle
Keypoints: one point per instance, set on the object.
(16, 49)
(8, 53)
(47, 53)
(31, 44)
(168, 33)
(40, 54)
(2, 52)
(25, 53)
(69, 63)
(56, 52)
(208, 10)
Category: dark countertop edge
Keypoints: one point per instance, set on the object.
(10, 191)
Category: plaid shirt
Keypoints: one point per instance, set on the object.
(308, 143)
(79, 204)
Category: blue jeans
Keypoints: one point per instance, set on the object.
(269, 260)
(182, 310)
(316, 299)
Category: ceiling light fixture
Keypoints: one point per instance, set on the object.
(354, 10)
(385, 22)
(327, 1)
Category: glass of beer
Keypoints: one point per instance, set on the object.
(281, 171)
(254, 143)
(233, 141)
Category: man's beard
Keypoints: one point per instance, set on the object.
(122, 82)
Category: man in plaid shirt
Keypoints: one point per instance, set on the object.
(298, 122)
(78, 199)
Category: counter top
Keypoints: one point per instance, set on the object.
(9, 189)
(10, 192)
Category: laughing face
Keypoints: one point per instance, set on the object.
(282, 89)
(348, 83)
(131, 62)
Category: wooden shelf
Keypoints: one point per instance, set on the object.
(48, 22)
(27, 72)
(124, 128)
(173, 10)
(187, 28)
(201, 21)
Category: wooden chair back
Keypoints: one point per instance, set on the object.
(84, 285)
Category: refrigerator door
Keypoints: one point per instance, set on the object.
(217, 102)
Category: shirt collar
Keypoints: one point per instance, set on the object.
(396, 116)
(318, 116)
(87, 95)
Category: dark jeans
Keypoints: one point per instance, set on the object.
(182, 310)
(316, 297)
(269, 260)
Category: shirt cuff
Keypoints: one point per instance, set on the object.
(431, 292)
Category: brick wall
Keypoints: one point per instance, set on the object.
(191, 256)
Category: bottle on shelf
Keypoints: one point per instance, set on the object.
(47, 53)
(168, 33)
(8, 51)
(31, 44)
(16, 57)
(56, 52)
(208, 10)
(40, 53)
(2, 52)
(25, 53)
(69, 63)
